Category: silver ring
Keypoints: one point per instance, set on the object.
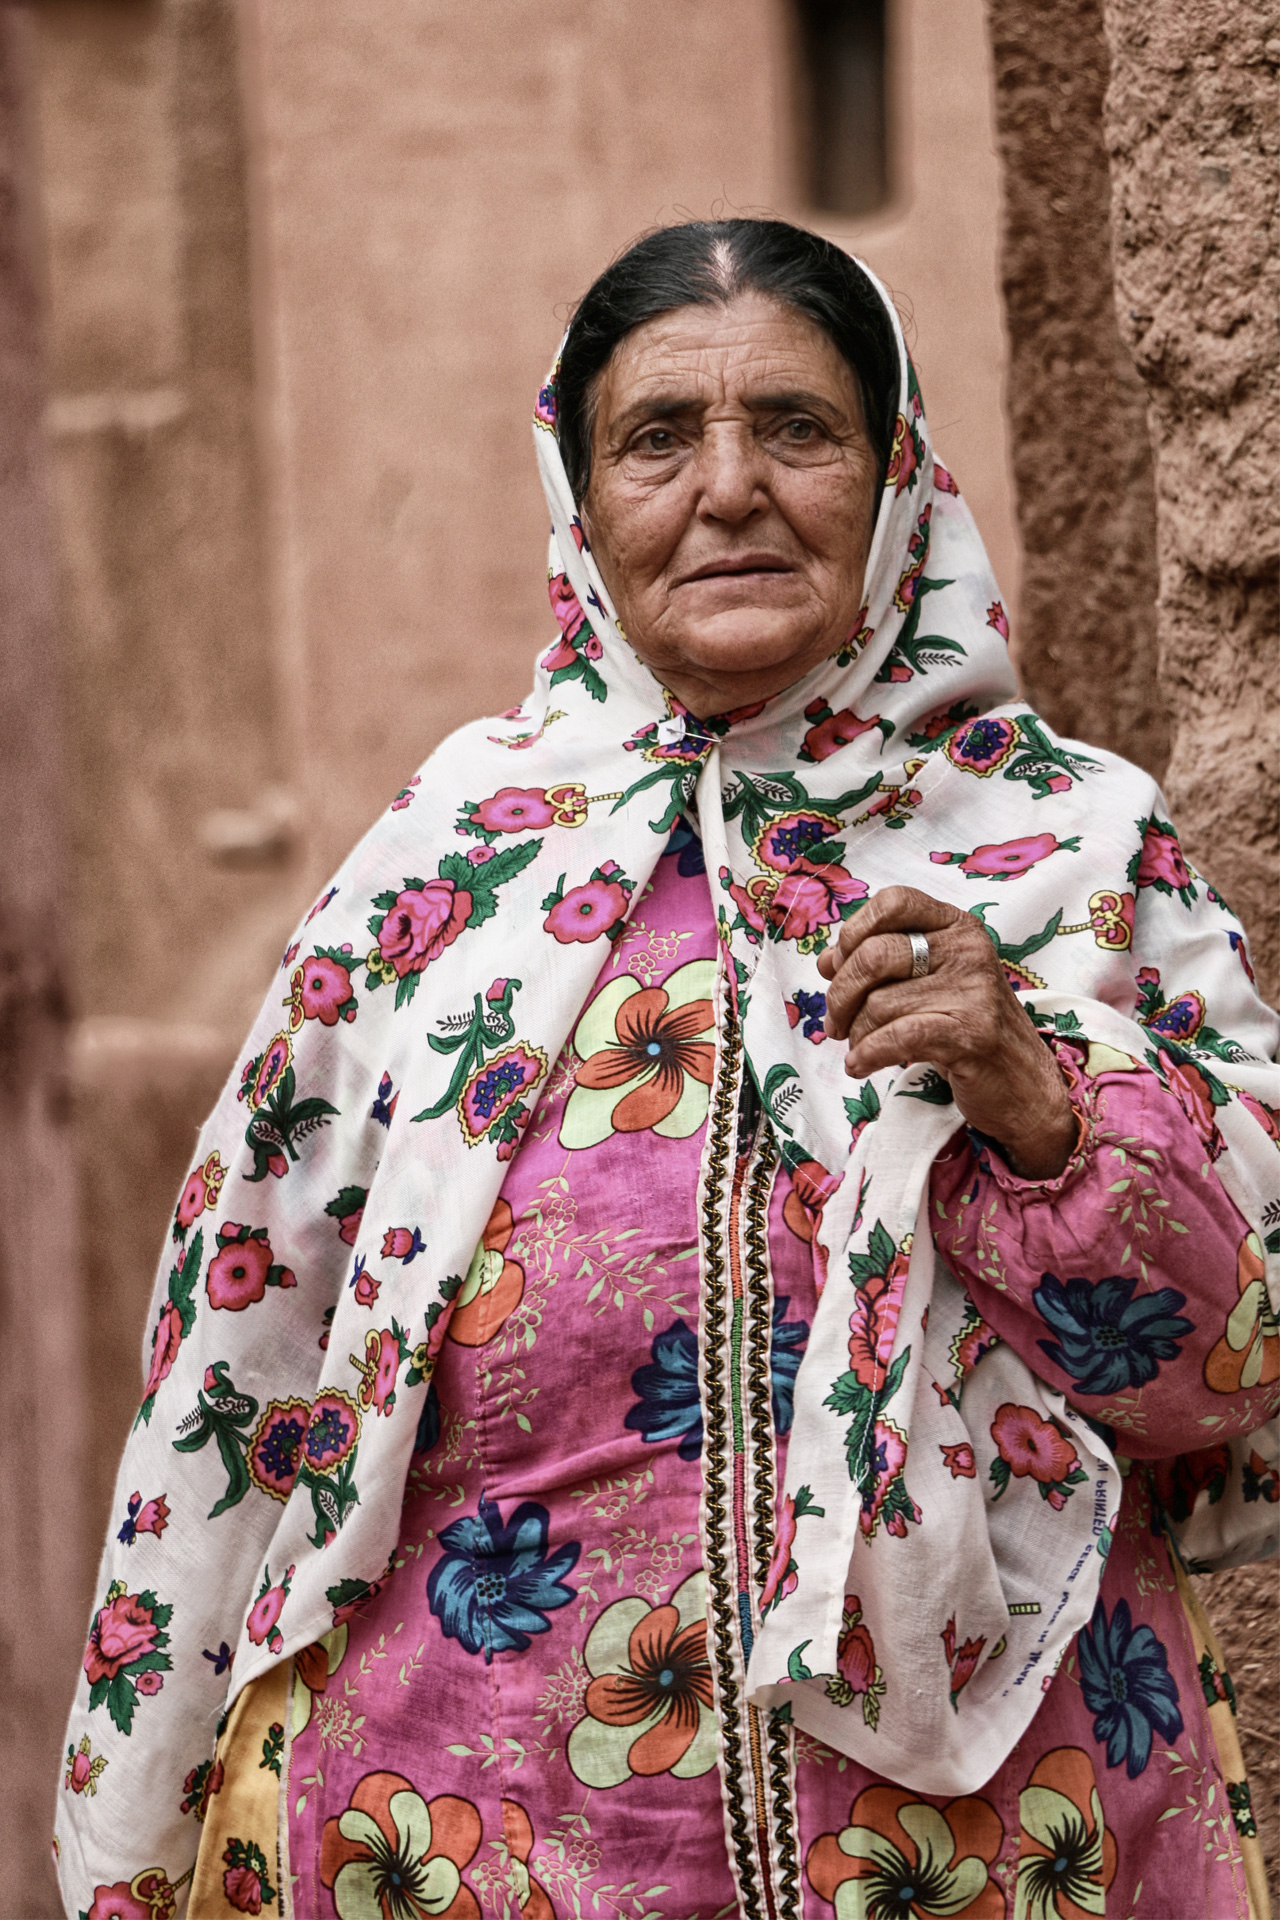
(919, 955)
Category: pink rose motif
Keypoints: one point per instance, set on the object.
(326, 989)
(165, 1342)
(1190, 1089)
(810, 897)
(1005, 859)
(496, 990)
(422, 924)
(586, 912)
(855, 1650)
(592, 647)
(1162, 860)
(1060, 783)
(195, 1198)
(277, 1165)
(999, 619)
(961, 1461)
(477, 856)
(243, 1888)
(79, 1773)
(149, 1682)
(119, 1903)
(838, 731)
(238, 1274)
(367, 1289)
(898, 672)
(1031, 1446)
(561, 655)
(265, 1612)
(513, 810)
(121, 1633)
(745, 898)
(873, 1324)
(349, 1226)
(780, 1582)
(1267, 1117)
(565, 605)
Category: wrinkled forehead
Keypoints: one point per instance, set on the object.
(751, 354)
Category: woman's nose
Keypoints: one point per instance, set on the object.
(730, 474)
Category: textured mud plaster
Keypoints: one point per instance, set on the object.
(1082, 462)
(1139, 178)
(1191, 129)
(42, 1594)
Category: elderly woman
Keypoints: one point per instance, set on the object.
(739, 1232)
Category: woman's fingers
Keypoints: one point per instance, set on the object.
(891, 910)
(884, 957)
(912, 1036)
(874, 949)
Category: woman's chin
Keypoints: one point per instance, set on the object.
(751, 658)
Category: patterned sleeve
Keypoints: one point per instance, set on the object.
(1131, 1282)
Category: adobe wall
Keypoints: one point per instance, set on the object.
(1193, 132)
(1139, 182)
(41, 1383)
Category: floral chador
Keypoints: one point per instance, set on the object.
(595, 1456)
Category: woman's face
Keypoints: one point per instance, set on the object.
(732, 498)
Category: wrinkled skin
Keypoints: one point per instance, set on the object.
(732, 498)
(962, 1017)
(730, 509)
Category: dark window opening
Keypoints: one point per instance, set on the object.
(842, 104)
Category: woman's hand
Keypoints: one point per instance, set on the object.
(962, 1017)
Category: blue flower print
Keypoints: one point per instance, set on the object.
(808, 1011)
(495, 1585)
(685, 843)
(1107, 1340)
(669, 1405)
(790, 1337)
(430, 1421)
(1127, 1686)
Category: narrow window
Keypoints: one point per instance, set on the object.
(842, 109)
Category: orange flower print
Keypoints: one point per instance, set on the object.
(649, 1704)
(648, 1056)
(1248, 1354)
(903, 1857)
(1066, 1857)
(493, 1287)
(507, 1877)
(395, 1856)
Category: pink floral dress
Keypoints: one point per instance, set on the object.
(521, 1718)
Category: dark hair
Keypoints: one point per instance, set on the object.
(706, 263)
